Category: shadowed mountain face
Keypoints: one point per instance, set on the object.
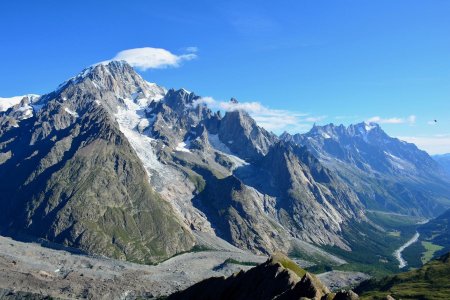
(278, 278)
(71, 176)
(117, 166)
(386, 173)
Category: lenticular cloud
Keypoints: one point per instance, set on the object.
(152, 58)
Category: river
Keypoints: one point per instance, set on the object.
(398, 253)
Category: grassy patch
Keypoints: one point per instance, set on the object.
(237, 262)
(393, 221)
(197, 180)
(288, 264)
(432, 281)
(394, 233)
(430, 250)
(372, 247)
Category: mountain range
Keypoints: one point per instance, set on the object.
(114, 165)
(444, 161)
(386, 173)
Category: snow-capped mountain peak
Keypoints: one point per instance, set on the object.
(6, 103)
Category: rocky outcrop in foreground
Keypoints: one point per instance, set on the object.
(278, 278)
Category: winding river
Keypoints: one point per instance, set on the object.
(398, 253)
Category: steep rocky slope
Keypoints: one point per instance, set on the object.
(444, 161)
(71, 176)
(386, 173)
(117, 166)
(230, 162)
(277, 278)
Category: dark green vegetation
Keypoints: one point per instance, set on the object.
(373, 246)
(437, 233)
(432, 281)
(413, 254)
(237, 262)
(288, 264)
(434, 241)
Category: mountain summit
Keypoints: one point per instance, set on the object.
(74, 178)
(114, 165)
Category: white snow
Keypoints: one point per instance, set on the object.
(27, 112)
(398, 162)
(369, 126)
(153, 92)
(71, 112)
(143, 124)
(129, 118)
(6, 103)
(221, 147)
(182, 147)
(325, 135)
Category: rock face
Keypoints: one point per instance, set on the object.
(248, 140)
(71, 176)
(386, 173)
(117, 166)
(278, 278)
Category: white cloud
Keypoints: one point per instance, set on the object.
(315, 119)
(435, 144)
(152, 58)
(192, 49)
(411, 119)
(271, 119)
(380, 120)
(377, 119)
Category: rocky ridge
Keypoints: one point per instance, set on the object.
(277, 278)
(386, 173)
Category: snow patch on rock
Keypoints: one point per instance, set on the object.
(71, 112)
(221, 147)
(129, 118)
(183, 147)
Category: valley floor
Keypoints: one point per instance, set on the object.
(30, 267)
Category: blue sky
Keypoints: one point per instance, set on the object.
(294, 62)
